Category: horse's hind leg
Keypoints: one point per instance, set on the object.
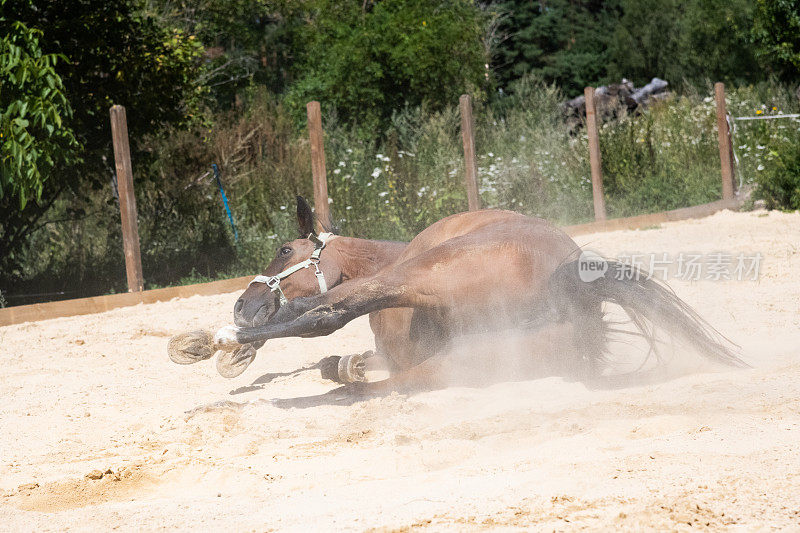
(433, 373)
(345, 368)
(477, 360)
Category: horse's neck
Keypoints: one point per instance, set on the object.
(362, 257)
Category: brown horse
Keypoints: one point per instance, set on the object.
(471, 275)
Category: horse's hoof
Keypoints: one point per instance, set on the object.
(329, 368)
(352, 369)
(188, 348)
(232, 363)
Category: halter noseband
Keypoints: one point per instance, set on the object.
(274, 282)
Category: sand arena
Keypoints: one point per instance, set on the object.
(101, 430)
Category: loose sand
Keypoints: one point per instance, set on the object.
(180, 447)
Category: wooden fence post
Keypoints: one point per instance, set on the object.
(470, 164)
(318, 165)
(724, 138)
(127, 199)
(594, 155)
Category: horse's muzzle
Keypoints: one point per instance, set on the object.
(250, 312)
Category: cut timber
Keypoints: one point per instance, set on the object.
(614, 100)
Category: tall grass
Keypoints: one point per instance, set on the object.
(395, 186)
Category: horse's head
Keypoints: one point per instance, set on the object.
(302, 267)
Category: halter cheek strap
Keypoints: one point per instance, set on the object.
(274, 282)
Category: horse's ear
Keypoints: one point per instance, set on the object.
(305, 218)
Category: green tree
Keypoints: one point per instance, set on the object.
(34, 138)
(368, 59)
(776, 31)
(683, 41)
(560, 41)
(114, 54)
(247, 41)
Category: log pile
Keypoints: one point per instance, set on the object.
(614, 100)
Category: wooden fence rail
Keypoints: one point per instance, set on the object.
(99, 304)
(470, 162)
(318, 172)
(595, 163)
(127, 199)
(724, 140)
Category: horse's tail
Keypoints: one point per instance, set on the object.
(578, 290)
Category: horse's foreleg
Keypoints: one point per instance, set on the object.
(322, 314)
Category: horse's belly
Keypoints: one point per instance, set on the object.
(406, 337)
(391, 328)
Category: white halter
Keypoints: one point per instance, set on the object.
(274, 282)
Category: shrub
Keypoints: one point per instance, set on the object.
(662, 159)
(367, 59)
(779, 186)
(767, 150)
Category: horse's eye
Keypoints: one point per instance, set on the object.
(286, 250)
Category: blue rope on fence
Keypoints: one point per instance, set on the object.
(225, 201)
